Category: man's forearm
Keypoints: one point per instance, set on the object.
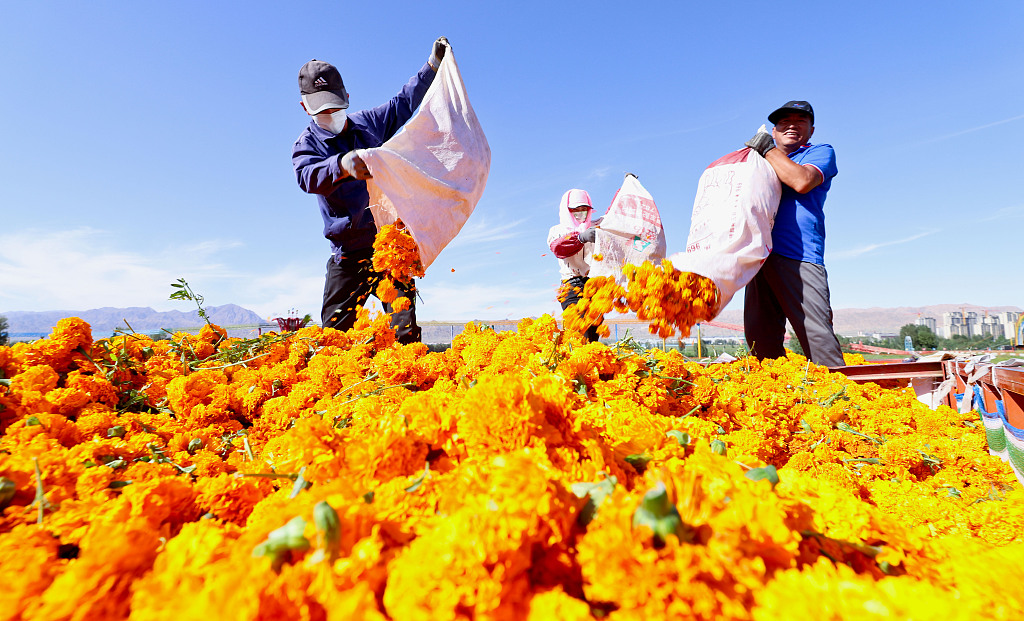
(803, 179)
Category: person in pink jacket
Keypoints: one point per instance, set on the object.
(572, 241)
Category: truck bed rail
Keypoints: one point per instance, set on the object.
(996, 383)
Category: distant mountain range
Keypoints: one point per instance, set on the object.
(848, 321)
(145, 320)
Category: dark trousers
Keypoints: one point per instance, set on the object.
(350, 283)
(570, 294)
(783, 289)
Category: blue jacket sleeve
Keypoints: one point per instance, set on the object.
(316, 172)
(385, 120)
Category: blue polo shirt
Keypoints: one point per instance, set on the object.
(799, 230)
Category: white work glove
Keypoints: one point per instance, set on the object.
(437, 53)
(354, 166)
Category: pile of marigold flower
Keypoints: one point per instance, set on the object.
(517, 475)
(397, 257)
(670, 301)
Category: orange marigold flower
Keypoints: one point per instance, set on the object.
(396, 254)
(401, 304)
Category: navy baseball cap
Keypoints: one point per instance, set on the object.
(791, 106)
(321, 87)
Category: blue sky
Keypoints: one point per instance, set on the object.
(144, 142)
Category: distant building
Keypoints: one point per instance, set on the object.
(971, 324)
(928, 322)
(1009, 320)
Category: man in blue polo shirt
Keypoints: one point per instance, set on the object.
(327, 163)
(792, 284)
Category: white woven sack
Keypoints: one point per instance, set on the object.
(432, 173)
(630, 232)
(731, 226)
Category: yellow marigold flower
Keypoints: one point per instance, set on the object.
(557, 605)
(853, 359)
(496, 479)
(98, 583)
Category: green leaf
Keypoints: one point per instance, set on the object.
(862, 460)
(419, 480)
(848, 429)
(40, 501)
(119, 484)
(639, 461)
(681, 436)
(288, 537)
(840, 394)
(300, 484)
(658, 513)
(117, 431)
(194, 445)
(7, 490)
(328, 529)
(718, 447)
(32, 421)
(595, 494)
(146, 427)
(368, 498)
(768, 473)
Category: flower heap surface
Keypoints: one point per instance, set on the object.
(518, 475)
(670, 300)
(397, 257)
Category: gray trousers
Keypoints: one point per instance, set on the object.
(783, 289)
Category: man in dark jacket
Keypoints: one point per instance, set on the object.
(327, 163)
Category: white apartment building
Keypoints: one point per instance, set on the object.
(971, 324)
(1009, 321)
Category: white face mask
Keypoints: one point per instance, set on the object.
(334, 122)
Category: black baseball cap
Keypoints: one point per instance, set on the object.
(791, 106)
(321, 87)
